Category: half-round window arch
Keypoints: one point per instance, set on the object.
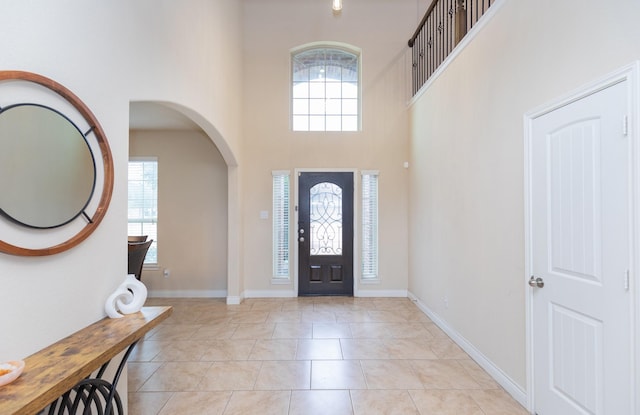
(325, 88)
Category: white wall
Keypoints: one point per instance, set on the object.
(110, 53)
(466, 180)
(380, 28)
(192, 209)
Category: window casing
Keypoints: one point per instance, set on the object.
(325, 89)
(142, 210)
(280, 215)
(369, 185)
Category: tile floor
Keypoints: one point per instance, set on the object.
(324, 355)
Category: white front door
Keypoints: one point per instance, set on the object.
(580, 239)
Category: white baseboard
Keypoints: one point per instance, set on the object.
(269, 294)
(494, 371)
(292, 294)
(187, 293)
(380, 293)
(234, 299)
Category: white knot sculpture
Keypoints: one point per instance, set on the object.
(129, 298)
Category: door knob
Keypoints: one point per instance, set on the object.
(536, 282)
(301, 239)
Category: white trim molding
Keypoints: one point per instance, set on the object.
(187, 294)
(270, 294)
(491, 368)
(381, 293)
(631, 74)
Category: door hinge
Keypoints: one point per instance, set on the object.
(296, 208)
(625, 125)
(626, 281)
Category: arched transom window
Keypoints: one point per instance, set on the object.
(325, 90)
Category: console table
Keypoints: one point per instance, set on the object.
(60, 374)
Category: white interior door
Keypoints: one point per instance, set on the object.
(580, 249)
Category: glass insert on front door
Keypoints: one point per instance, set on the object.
(325, 219)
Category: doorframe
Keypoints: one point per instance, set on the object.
(630, 74)
(356, 223)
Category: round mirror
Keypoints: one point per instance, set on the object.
(47, 169)
(56, 169)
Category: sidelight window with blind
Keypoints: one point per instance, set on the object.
(369, 226)
(142, 210)
(280, 217)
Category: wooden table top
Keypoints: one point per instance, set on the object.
(54, 370)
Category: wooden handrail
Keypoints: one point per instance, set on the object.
(422, 22)
(443, 26)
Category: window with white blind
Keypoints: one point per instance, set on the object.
(143, 203)
(369, 225)
(280, 226)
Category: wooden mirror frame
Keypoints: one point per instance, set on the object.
(107, 162)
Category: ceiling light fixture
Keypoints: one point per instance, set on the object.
(337, 5)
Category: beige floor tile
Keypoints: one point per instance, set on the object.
(364, 349)
(265, 304)
(370, 331)
(254, 331)
(445, 348)
(222, 350)
(182, 315)
(146, 350)
(386, 316)
(259, 403)
(176, 376)
(196, 403)
(139, 372)
(337, 374)
(215, 331)
(321, 316)
(383, 402)
(284, 375)
(274, 349)
(478, 374)
(229, 376)
(250, 317)
(293, 331)
(443, 374)
(215, 318)
(409, 349)
(435, 330)
(147, 403)
(409, 331)
(391, 304)
(497, 402)
(332, 331)
(379, 355)
(182, 351)
(298, 304)
(319, 349)
(390, 374)
(175, 331)
(359, 316)
(320, 402)
(417, 316)
(445, 402)
(284, 317)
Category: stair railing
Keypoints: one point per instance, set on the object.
(444, 24)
